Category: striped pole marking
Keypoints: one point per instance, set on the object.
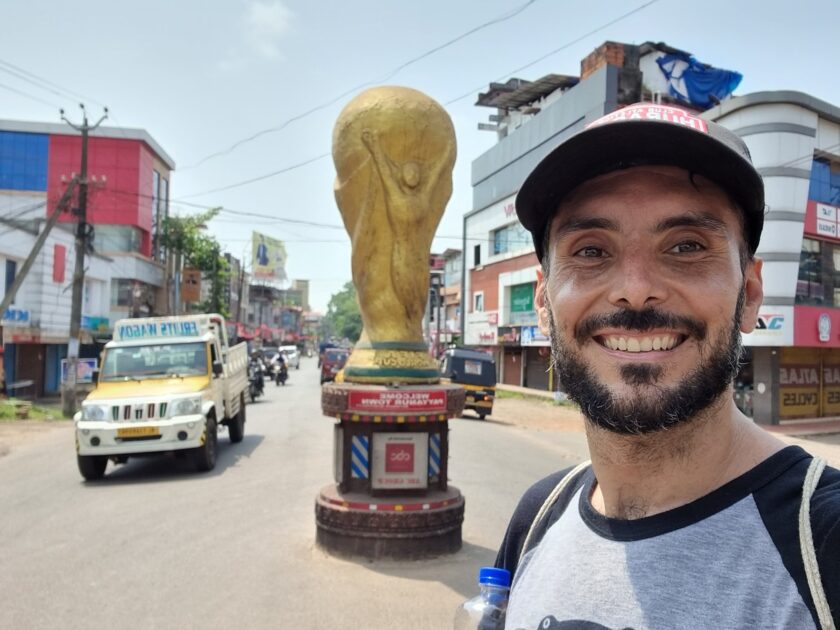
(434, 454)
(360, 454)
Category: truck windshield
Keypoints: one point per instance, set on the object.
(154, 361)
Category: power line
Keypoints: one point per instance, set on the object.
(47, 82)
(29, 96)
(557, 50)
(403, 66)
(258, 178)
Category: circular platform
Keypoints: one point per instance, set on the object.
(355, 524)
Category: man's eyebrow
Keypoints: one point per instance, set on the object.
(585, 223)
(695, 220)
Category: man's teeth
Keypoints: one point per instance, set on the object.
(641, 344)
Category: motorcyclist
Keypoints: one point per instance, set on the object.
(259, 368)
(279, 367)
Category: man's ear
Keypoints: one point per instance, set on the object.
(540, 303)
(753, 294)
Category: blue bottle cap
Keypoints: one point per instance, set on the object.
(494, 576)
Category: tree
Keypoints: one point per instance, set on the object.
(185, 238)
(343, 316)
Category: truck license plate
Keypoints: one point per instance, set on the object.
(137, 432)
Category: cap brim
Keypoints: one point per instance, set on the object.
(611, 147)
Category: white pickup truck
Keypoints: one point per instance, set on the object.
(165, 384)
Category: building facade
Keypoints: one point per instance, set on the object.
(128, 200)
(531, 118)
(793, 367)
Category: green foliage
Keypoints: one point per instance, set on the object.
(343, 317)
(185, 235)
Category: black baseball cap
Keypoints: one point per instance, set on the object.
(644, 134)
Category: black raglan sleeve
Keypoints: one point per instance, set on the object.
(520, 522)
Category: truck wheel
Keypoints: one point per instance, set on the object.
(204, 457)
(236, 427)
(92, 467)
(482, 414)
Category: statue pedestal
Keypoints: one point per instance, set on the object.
(390, 497)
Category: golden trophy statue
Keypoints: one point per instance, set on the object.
(394, 150)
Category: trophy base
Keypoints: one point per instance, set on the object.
(401, 528)
(386, 362)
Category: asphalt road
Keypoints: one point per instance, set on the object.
(156, 545)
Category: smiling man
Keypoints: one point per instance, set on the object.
(690, 515)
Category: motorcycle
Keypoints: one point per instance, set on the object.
(256, 382)
(281, 373)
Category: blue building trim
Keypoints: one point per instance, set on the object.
(23, 161)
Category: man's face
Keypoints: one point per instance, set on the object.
(645, 298)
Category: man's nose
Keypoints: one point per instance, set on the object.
(638, 283)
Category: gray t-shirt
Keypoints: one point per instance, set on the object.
(728, 560)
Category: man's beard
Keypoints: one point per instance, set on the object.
(662, 407)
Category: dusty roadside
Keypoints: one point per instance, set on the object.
(16, 433)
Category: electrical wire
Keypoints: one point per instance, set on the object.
(29, 96)
(556, 50)
(47, 82)
(332, 101)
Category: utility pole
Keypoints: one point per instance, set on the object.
(36, 249)
(69, 403)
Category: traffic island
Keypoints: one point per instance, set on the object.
(390, 498)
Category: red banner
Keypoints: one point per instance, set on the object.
(396, 401)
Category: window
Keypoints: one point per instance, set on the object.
(825, 182)
(477, 255)
(478, 301)
(818, 283)
(11, 272)
(511, 238)
(117, 238)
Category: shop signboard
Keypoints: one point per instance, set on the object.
(84, 370)
(831, 382)
(774, 327)
(508, 336)
(816, 327)
(15, 317)
(95, 324)
(822, 220)
(400, 460)
(799, 383)
(522, 304)
(532, 336)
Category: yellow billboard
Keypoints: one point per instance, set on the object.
(268, 258)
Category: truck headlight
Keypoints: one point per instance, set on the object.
(96, 413)
(186, 406)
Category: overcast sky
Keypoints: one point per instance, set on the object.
(200, 76)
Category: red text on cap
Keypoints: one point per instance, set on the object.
(645, 111)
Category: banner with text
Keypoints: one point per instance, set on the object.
(268, 261)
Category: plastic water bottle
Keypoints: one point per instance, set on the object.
(487, 610)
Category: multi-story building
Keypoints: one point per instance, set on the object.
(530, 120)
(128, 199)
(451, 295)
(793, 367)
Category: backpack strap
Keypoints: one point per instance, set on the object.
(549, 501)
(806, 545)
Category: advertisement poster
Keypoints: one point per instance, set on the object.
(268, 258)
(400, 460)
(799, 383)
(84, 370)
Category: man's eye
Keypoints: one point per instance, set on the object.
(687, 247)
(590, 252)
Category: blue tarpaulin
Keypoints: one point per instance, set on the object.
(704, 85)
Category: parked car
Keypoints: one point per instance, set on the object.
(292, 356)
(333, 360)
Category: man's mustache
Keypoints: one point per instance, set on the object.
(639, 321)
